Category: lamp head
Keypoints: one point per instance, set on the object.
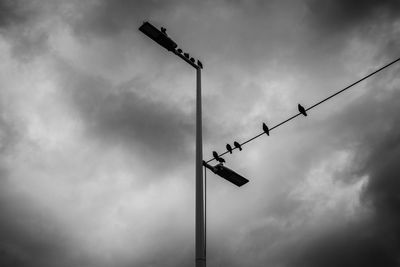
(158, 36)
(227, 174)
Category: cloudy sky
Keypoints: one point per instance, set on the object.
(97, 133)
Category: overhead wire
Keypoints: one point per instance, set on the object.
(313, 106)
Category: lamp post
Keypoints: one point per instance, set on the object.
(161, 37)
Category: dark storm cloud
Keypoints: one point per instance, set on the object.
(108, 17)
(26, 238)
(30, 236)
(228, 33)
(240, 36)
(121, 116)
(373, 241)
(11, 12)
(331, 26)
(354, 245)
(332, 16)
(18, 23)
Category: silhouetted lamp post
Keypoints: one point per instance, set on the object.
(161, 37)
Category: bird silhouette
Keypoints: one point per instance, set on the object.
(186, 55)
(192, 59)
(229, 148)
(237, 145)
(164, 30)
(199, 64)
(215, 155)
(220, 160)
(302, 110)
(265, 128)
(179, 50)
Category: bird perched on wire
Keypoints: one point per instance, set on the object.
(217, 158)
(302, 110)
(199, 64)
(215, 155)
(229, 148)
(237, 145)
(265, 129)
(163, 30)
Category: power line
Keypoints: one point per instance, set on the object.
(313, 106)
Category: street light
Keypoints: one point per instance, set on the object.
(161, 37)
(227, 174)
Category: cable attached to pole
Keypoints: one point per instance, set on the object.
(313, 106)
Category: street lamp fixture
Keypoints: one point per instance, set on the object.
(227, 174)
(159, 37)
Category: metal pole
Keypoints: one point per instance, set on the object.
(200, 234)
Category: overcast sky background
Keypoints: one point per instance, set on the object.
(97, 133)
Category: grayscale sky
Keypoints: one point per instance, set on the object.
(97, 133)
